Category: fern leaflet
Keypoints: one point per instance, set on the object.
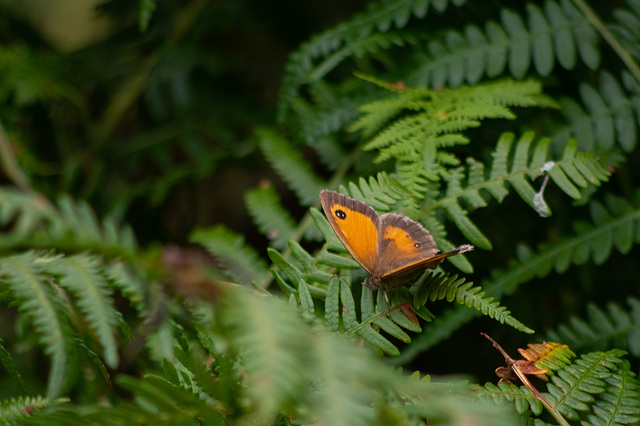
(240, 261)
(81, 276)
(517, 43)
(379, 16)
(24, 276)
(274, 221)
(602, 328)
(35, 222)
(291, 166)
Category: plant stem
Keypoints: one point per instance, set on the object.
(606, 34)
(9, 164)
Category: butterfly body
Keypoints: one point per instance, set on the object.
(392, 248)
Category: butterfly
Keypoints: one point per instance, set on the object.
(392, 248)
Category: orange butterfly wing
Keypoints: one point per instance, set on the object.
(355, 224)
(392, 248)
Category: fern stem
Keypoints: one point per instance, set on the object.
(554, 412)
(606, 34)
(368, 322)
(9, 163)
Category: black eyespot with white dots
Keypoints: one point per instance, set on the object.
(340, 214)
(417, 245)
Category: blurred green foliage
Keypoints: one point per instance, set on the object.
(160, 158)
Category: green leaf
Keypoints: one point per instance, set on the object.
(37, 300)
(240, 261)
(291, 166)
(305, 298)
(81, 275)
(273, 220)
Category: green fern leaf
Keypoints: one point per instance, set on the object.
(440, 286)
(31, 78)
(82, 277)
(368, 313)
(363, 330)
(331, 305)
(272, 219)
(601, 329)
(369, 45)
(398, 298)
(446, 112)
(379, 16)
(7, 361)
(24, 276)
(14, 411)
(610, 117)
(574, 169)
(130, 284)
(291, 166)
(518, 42)
(306, 303)
(264, 328)
(241, 262)
(308, 264)
(604, 374)
(521, 396)
(34, 221)
(578, 249)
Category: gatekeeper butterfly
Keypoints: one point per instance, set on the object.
(392, 248)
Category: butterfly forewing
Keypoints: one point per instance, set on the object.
(355, 224)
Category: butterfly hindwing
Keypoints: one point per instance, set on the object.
(402, 242)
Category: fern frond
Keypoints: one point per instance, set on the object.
(572, 171)
(380, 192)
(446, 286)
(610, 117)
(323, 117)
(291, 166)
(515, 166)
(296, 271)
(82, 276)
(599, 383)
(129, 283)
(602, 375)
(625, 27)
(35, 222)
(336, 380)
(7, 362)
(24, 276)
(590, 242)
(363, 330)
(444, 112)
(369, 45)
(273, 220)
(240, 261)
(523, 399)
(14, 411)
(264, 329)
(539, 38)
(28, 78)
(602, 328)
(379, 16)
